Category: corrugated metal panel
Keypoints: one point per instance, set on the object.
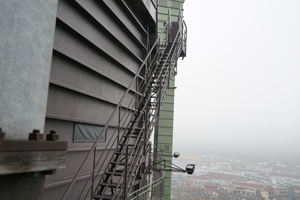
(89, 81)
(98, 48)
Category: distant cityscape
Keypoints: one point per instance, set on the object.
(217, 177)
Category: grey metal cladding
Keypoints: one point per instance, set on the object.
(77, 106)
(69, 73)
(98, 48)
(82, 23)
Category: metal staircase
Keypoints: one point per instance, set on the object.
(130, 146)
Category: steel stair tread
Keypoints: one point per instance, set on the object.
(134, 136)
(162, 70)
(113, 185)
(116, 173)
(136, 182)
(103, 197)
(123, 153)
(120, 163)
(124, 144)
(151, 87)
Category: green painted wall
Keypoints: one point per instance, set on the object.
(164, 133)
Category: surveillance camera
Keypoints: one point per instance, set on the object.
(176, 154)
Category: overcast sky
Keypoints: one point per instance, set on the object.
(238, 87)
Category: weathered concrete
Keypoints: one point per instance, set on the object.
(26, 42)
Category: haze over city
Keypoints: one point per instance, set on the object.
(238, 88)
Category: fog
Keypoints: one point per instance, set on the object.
(238, 88)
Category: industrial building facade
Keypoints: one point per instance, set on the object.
(110, 68)
(163, 146)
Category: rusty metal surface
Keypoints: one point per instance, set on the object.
(15, 146)
(20, 162)
(36, 135)
(52, 136)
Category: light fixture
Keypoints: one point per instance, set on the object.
(176, 154)
(190, 168)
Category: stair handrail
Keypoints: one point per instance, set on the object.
(126, 110)
(135, 126)
(151, 122)
(112, 115)
(173, 58)
(147, 188)
(118, 107)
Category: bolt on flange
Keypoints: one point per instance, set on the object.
(2, 134)
(36, 135)
(52, 136)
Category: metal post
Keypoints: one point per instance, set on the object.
(126, 171)
(93, 175)
(162, 186)
(169, 72)
(169, 27)
(119, 122)
(151, 191)
(145, 131)
(169, 16)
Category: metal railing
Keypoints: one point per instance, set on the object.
(156, 78)
(146, 191)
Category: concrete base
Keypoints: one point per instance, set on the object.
(25, 186)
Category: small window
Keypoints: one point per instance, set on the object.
(164, 147)
(88, 133)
